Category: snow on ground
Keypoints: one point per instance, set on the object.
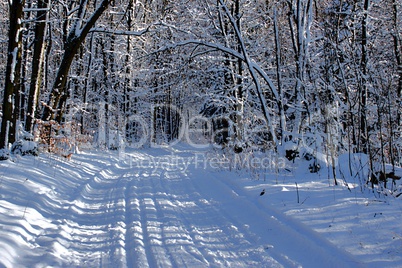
(181, 208)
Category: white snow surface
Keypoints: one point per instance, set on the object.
(102, 209)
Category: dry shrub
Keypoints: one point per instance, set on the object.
(60, 139)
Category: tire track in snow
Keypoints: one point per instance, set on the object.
(302, 247)
(207, 243)
(63, 198)
(136, 253)
(177, 240)
(164, 239)
(182, 205)
(220, 244)
(79, 237)
(124, 217)
(131, 209)
(86, 216)
(260, 230)
(94, 218)
(152, 225)
(151, 261)
(117, 228)
(253, 247)
(126, 237)
(111, 191)
(97, 219)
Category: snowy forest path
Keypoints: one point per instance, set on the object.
(155, 209)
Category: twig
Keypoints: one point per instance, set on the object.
(25, 210)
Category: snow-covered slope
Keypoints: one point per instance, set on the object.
(168, 208)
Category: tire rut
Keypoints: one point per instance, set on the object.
(220, 245)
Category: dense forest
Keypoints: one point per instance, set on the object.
(296, 76)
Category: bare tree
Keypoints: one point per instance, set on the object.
(76, 36)
(300, 21)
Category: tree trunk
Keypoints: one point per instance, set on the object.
(239, 88)
(398, 55)
(397, 46)
(363, 93)
(106, 98)
(37, 63)
(282, 121)
(253, 69)
(13, 73)
(88, 80)
(300, 17)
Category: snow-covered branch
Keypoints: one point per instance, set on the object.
(253, 65)
(121, 32)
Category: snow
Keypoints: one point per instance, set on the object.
(13, 65)
(157, 207)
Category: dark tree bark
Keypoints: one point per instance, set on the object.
(239, 81)
(397, 46)
(13, 74)
(363, 90)
(126, 87)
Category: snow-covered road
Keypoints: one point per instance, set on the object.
(101, 211)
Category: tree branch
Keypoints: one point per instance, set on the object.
(119, 32)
